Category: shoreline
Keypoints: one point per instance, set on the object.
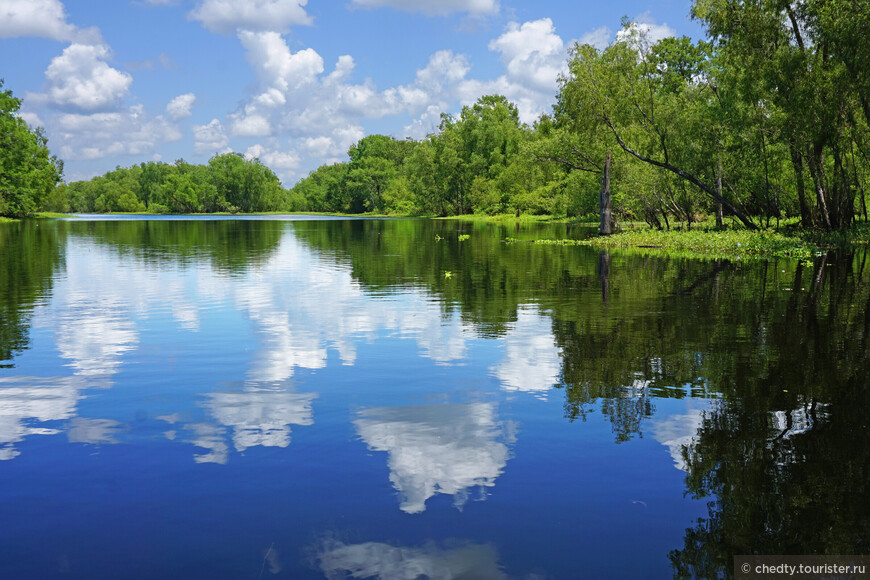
(702, 241)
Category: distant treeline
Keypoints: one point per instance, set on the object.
(228, 183)
(767, 119)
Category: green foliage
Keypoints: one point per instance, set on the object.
(229, 183)
(28, 173)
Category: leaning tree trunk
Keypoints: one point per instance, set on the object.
(605, 228)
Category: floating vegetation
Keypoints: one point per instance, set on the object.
(702, 243)
(463, 237)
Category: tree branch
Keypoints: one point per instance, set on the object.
(685, 175)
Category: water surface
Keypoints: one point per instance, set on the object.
(310, 398)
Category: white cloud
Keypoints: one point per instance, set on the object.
(322, 112)
(32, 119)
(209, 139)
(533, 53)
(276, 65)
(229, 16)
(179, 107)
(599, 38)
(43, 19)
(435, 8)
(81, 80)
(447, 449)
(97, 135)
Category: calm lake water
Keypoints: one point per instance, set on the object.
(334, 398)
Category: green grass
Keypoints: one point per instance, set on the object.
(51, 215)
(710, 243)
(510, 217)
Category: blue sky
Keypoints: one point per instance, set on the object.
(118, 82)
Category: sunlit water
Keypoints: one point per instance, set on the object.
(273, 398)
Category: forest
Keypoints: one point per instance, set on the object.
(767, 119)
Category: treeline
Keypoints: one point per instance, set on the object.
(228, 183)
(767, 119)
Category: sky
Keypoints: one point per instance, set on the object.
(291, 82)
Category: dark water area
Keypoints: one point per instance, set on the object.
(336, 398)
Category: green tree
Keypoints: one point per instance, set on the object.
(28, 172)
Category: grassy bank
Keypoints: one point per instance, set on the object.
(705, 241)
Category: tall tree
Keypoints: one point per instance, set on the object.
(28, 172)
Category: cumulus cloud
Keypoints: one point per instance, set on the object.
(80, 79)
(533, 53)
(599, 38)
(276, 65)
(283, 163)
(229, 16)
(97, 135)
(43, 19)
(209, 139)
(179, 107)
(440, 8)
(321, 110)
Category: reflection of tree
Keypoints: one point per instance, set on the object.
(230, 246)
(378, 560)
(785, 455)
(436, 449)
(30, 254)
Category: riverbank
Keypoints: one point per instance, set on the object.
(710, 243)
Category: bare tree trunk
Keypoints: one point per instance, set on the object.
(816, 160)
(605, 228)
(845, 199)
(719, 211)
(797, 162)
(858, 181)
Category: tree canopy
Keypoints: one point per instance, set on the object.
(28, 173)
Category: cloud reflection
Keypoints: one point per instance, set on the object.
(24, 400)
(532, 361)
(94, 431)
(679, 433)
(378, 560)
(448, 448)
(261, 417)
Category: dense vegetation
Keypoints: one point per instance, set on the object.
(766, 119)
(229, 183)
(28, 173)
